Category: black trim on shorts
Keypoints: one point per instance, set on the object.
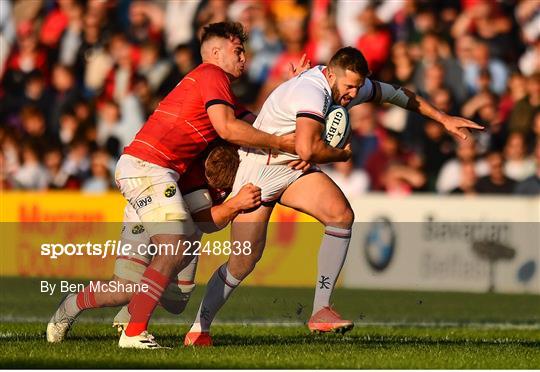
(310, 116)
(270, 203)
(218, 102)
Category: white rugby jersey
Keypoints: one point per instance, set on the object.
(307, 94)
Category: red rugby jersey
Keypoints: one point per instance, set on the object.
(179, 130)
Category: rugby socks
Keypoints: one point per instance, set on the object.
(86, 299)
(143, 303)
(332, 254)
(218, 290)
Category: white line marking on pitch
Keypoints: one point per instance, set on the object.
(273, 323)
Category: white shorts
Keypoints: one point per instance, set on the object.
(153, 192)
(132, 265)
(272, 179)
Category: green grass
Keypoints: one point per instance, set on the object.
(393, 330)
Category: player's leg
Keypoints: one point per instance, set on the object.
(248, 227)
(128, 270)
(178, 292)
(335, 212)
(153, 192)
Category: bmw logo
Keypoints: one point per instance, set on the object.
(380, 243)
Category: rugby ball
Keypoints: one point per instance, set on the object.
(337, 127)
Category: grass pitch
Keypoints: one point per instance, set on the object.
(263, 328)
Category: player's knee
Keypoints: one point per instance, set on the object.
(242, 268)
(340, 215)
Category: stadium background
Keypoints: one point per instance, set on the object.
(80, 77)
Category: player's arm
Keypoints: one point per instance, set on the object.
(408, 100)
(216, 218)
(310, 145)
(241, 133)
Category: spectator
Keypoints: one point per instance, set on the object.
(516, 91)
(33, 124)
(531, 185)
(71, 37)
(109, 123)
(364, 140)
(26, 57)
(30, 175)
(151, 67)
(76, 163)
(57, 178)
(183, 62)
(451, 172)
(146, 20)
(521, 116)
(496, 182)
(482, 108)
(436, 52)
(92, 61)
(120, 79)
(291, 19)
(529, 62)
(437, 148)
(486, 21)
(100, 179)
(391, 168)
(518, 165)
(353, 182)
(467, 179)
(70, 127)
(375, 42)
(483, 61)
(65, 94)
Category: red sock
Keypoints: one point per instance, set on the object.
(86, 299)
(142, 304)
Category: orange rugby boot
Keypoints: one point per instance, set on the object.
(328, 320)
(198, 339)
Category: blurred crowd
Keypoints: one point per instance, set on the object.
(79, 78)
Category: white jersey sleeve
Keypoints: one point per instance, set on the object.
(379, 92)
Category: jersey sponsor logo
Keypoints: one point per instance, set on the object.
(144, 202)
(137, 229)
(170, 191)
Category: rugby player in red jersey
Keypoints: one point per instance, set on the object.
(197, 111)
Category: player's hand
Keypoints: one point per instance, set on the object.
(346, 152)
(459, 127)
(303, 65)
(248, 197)
(299, 165)
(286, 143)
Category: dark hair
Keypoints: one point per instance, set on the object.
(350, 58)
(225, 30)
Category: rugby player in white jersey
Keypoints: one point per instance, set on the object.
(300, 105)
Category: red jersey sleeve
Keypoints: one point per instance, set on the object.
(216, 89)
